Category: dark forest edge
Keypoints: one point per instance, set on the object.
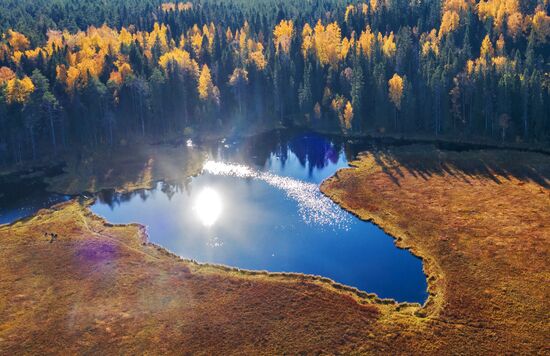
(89, 74)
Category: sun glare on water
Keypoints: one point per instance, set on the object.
(313, 206)
(208, 206)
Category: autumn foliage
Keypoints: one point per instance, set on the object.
(466, 63)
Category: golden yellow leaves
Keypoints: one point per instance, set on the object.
(486, 49)
(344, 110)
(345, 47)
(501, 63)
(327, 43)
(205, 85)
(350, 10)
(18, 41)
(248, 50)
(501, 44)
(374, 5)
(123, 71)
(499, 10)
(430, 43)
(395, 90)
(307, 39)
(388, 44)
(207, 90)
(196, 42)
(449, 23)
(337, 104)
(366, 42)
(348, 115)
(180, 59)
(125, 37)
(452, 12)
(158, 35)
(506, 12)
(170, 6)
(256, 54)
(515, 24)
(33, 53)
(18, 90)
(67, 76)
(6, 74)
(457, 6)
(196, 37)
(489, 57)
(16, 57)
(282, 35)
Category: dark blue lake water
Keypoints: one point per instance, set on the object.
(257, 205)
(28, 205)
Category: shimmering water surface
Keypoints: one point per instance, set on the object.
(257, 205)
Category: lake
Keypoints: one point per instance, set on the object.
(257, 206)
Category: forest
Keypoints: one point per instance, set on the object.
(91, 73)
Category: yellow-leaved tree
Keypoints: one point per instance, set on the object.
(6, 74)
(19, 90)
(486, 52)
(395, 93)
(205, 85)
(327, 43)
(449, 22)
(18, 41)
(283, 35)
(388, 44)
(208, 92)
(348, 115)
(307, 39)
(396, 90)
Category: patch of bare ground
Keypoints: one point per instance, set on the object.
(478, 223)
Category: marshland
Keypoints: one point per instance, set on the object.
(274, 177)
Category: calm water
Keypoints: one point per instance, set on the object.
(257, 205)
(27, 205)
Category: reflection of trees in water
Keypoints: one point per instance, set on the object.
(112, 198)
(314, 151)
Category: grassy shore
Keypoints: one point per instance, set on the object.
(100, 288)
(478, 219)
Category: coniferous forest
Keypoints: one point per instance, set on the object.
(92, 73)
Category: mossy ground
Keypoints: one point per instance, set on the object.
(478, 219)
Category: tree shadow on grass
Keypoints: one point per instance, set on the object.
(425, 161)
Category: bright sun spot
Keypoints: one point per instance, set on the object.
(208, 206)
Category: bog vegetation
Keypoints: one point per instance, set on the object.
(94, 73)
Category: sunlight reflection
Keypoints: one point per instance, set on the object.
(208, 206)
(313, 206)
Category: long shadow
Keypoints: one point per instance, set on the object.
(425, 161)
